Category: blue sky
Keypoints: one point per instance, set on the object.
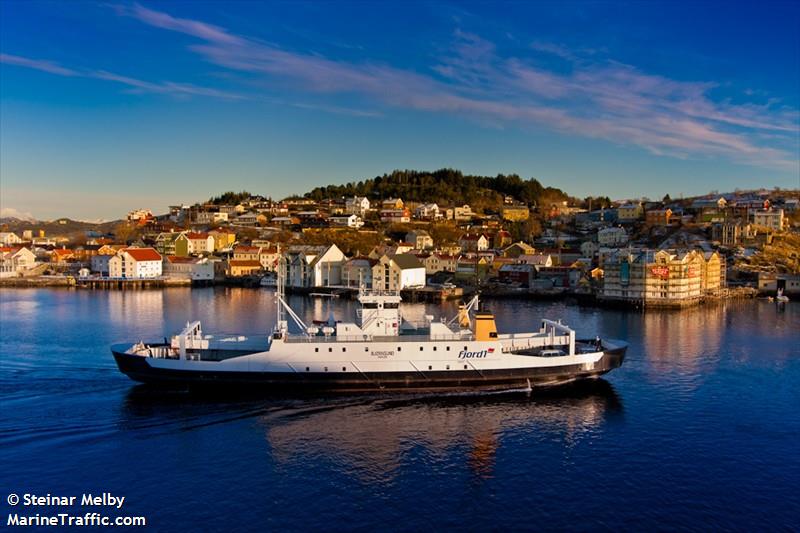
(106, 107)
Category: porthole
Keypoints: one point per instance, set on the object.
(434, 348)
(399, 348)
(316, 349)
(465, 367)
(366, 348)
(330, 349)
(326, 369)
(465, 348)
(420, 348)
(447, 348)
(344, 349)
(308, 369)
(448, 367)
(430, 367)
(344, 369)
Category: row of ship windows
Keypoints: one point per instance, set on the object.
(399, 349)
(344, 368)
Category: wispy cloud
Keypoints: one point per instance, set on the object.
(167, 87)
(596, 98)
(136, 85)
(38, 64)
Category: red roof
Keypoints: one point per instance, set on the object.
(143, 254)
(176, 259)
(246, 249)
(244, 263)
(192, 235)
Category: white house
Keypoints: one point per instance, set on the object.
(471, 242)
(419, 239)
(139, 214)
(195, 269)
(612, 237)
(357, 205)
(9, 239)
(346, 221)
(15, 260)
(398, 272)
(135, 263)
(315, 266)
(211, 217)
(427, 212)
(200, 243)
(358, 271)
(769, 218)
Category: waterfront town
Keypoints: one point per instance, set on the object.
(637, 252)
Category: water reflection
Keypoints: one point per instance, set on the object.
(682, 341)
(372, 439)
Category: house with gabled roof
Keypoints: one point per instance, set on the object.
(135, 263)
(15, 260)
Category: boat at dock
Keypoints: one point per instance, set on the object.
(379, 351)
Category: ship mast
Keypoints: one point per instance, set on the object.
(282, 326)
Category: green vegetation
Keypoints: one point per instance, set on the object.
(351, 242)
(230, 198)
(446, 187)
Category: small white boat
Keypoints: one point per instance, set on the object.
(781, 298)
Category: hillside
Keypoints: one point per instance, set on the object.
(62, 227)
(445, 187)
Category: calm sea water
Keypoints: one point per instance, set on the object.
(699, 429)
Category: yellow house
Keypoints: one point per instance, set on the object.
(222, 239)
(243, 267)
(628, 212)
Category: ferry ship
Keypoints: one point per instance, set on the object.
(379, 351)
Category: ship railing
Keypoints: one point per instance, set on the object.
(224, 342)
(380, 338)
(512, 344)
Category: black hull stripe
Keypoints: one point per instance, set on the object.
(136, 368)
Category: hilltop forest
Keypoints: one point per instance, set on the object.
(446, 187)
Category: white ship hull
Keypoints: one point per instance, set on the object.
(375, 365)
